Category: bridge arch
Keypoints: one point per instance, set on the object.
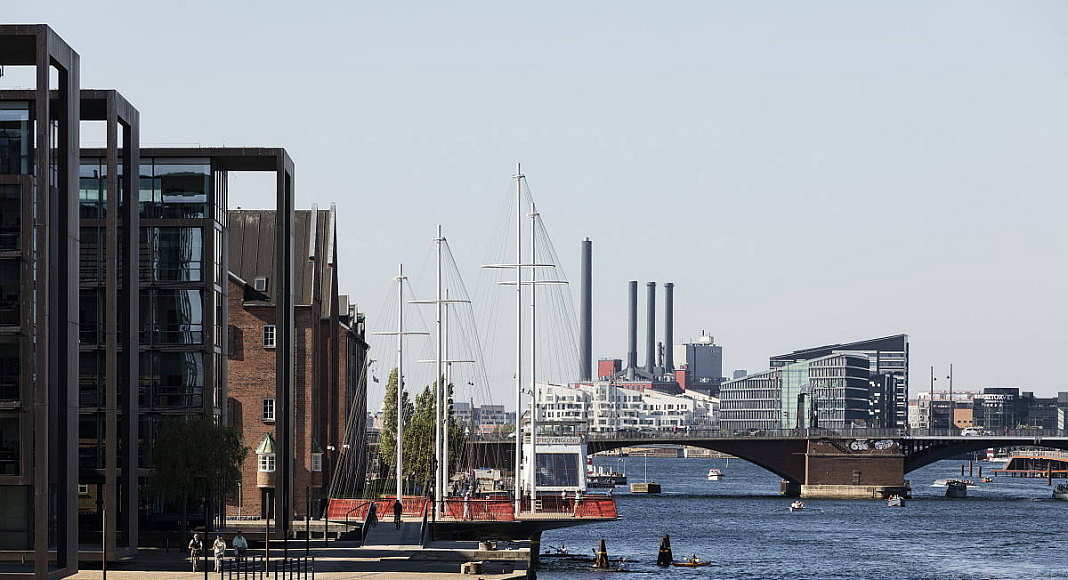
(921, 452)
(783, 457)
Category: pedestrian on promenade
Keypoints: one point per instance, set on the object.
(398, 509)
(196, 546)
(219, 547)
(240, 546)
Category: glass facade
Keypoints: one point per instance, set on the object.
(10, 367)
(558, 469)
(171, 380)
(175, 188)
(16, 138)
(171, 316)
(10, 276)
(831, 392)
(10, 216)
(172, 254)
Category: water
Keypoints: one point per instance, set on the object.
(1006, 529)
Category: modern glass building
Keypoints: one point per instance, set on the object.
(889, 374)
(829, 392)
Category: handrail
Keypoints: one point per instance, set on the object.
(857, 433)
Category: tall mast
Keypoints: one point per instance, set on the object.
(533, 360)
(439, 389)
(445, 390)
(400, 381)
(518, 335)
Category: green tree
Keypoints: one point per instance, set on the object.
(387, 446)
(197, 459)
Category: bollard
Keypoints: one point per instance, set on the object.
(601, 561)
(664, 558)
(962, 470)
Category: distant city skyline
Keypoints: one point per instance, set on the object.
(806, 173)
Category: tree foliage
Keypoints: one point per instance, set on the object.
(418, 442)
(197, 459)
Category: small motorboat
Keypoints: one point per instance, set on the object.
(986, 479)
(1061, 492)
(895, 501)
(692, 562)
(956, 488)
(797, 506)
(714, 474)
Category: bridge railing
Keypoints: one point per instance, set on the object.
(853, 433)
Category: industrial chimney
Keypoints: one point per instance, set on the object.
(632, 328)
(669, 327)
(650, 329)
(586, 315)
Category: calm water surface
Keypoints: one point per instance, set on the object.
(1006, 529)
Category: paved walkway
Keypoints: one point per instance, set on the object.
(332, 562)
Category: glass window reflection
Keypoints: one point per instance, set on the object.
(10, 216)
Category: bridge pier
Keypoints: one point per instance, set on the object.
(852, 469)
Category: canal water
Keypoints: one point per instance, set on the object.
(1010, 528)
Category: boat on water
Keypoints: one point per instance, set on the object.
(1061, 492)
(797, 506)
(599, 476)
(895, 501)
(956, 488)
(692, 562)
(714, 474)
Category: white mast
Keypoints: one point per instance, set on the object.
(438, 379)
(400, 381)
(518, 335)
(533, 360)
(400, 333)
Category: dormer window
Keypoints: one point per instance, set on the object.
(265, 458)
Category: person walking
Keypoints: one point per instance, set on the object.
(196, 546)
(240, 546)
(219, 548)
(398, 509)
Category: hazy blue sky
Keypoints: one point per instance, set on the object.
(806, 172)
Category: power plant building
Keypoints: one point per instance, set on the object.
(701, 365)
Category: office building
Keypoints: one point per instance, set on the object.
(888, 359)
(829, 392)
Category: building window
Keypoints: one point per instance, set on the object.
(83, 489)
(316, 461)
(268, 409)
(266, 462)
(268, 336)
(260, 284)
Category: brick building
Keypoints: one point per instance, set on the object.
(330, 355)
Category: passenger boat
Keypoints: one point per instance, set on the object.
(601, 477)
(1061, 492)
(956, 488)
(797, 506)
(895, 501)
(714, 474)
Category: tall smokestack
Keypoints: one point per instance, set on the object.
(586, 315)
(669, 327)
(632, 328)
(650, 328)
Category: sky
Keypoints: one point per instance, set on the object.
(805, 172)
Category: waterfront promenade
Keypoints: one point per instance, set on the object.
(438, 561)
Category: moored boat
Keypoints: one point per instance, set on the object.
(1061, 492)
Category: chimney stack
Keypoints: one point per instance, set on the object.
(632, 328)
(586, 315)
(650, 328)
(669, 327)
